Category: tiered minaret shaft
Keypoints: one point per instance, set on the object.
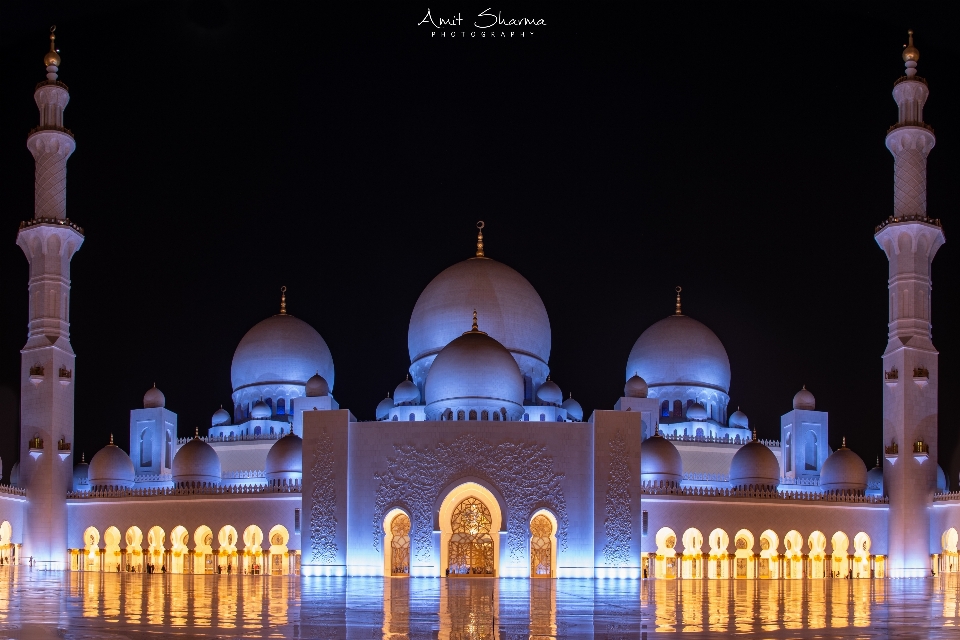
(49, 241)
(910, 240)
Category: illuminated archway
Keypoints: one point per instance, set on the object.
(948, 542)
(743, 554)
(227, 551)
(861, 555)
(479, 520)
(543, 545)
(840, 545)
(691, 563)
(91, 549)
(279, 554)
(768, 565)
(818, 554)
(179, 539)
(155, 538)
(396, 543)
(793, 555)
(203, 550)
(134, 539)
(6, 543)
(113, 557)
(719, 566)
(252, 550)
(666, 564)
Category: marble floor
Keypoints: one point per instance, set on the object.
(36, 605)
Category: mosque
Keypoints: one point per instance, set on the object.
(477, 465)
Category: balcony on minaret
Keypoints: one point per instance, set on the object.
(35, 447)
(66, 376)
(891, 453)
(921, 376)
(36, 374)
(63, 448)
(921, 451)
(892, 377)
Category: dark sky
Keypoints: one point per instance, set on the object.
(227, 148)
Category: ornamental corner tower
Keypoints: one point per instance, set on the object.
(49, 241)
(910, 239)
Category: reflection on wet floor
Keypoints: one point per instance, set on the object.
(36, 605)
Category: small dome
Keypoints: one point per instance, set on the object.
(843, 470)
(875, 481)
(196, 461)
(739, 419)
(220, 417)
(285, 459)
(941, 481)
(573, 409)
(383, 409)
(636, 387)
(549, 393)
(153, 398)
(111, 467)
(660, 461)
(15, 474)
(406, 393)
(260, 411)
(678, 350)
(317, 386)
(81, 476)
(474, 373)
(696, 412)
(754, 465)
(280, 350)
(804, 400)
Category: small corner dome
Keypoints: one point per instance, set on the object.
(196, 461)
(280, 350)
(739, 419)
(875, 481)
(383, 409)
(474, 372)
(696, 412)
(636, 387)
(260, 411)
(317, 386)
(15, 474)
(804, 400)
(153, 399)
(220, 417)
(573, 409)
(285, 459)
(549, 393)
(756, 465)
(660, 461)
(111, 467)
(406, 393)
(941, 480)
(843, 470)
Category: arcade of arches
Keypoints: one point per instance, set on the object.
(208, 553)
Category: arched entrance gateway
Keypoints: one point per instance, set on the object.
(470, 523)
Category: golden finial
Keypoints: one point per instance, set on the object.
(754, 435)
(480, 226)
(910, 52)
(843, 443)
(111, 438)
(475, 327)
(52, 58)
(678, 302)
(196, 432)
(283, 300)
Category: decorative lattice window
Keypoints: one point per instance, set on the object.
(400, 545)
(540, 547)
(471, 546)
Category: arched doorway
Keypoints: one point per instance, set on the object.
(252, 551)
(666, 562)
(840, 544)
(768, 564)
(861, 555)
(793, 556)
(227, 537)
(111, 551)
(818, 552)
(692, 560)
(91, 549)
(203, 550)
(743, 555)
(470, 550)
(719, 565)
(279, 537)
(155, 550)
(543, 545)
(400, 545)
(134, 539)
(179, 538)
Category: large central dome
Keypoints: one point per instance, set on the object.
(678, 350)
(509, 308)
(280, 350)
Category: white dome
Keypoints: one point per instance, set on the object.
(755, 465)
(220, 417)
(636, 387)
(406, 392)
(573, 409)
(260, 411)
(285, 459)
(280, 350)
(660, 461)
(696, 412)
(474, 372)
(317, 386)
(196, 461)
(15, 474)
(941, 480)
(549, 393)
(739, 419)
(383, 409)
(509, 308)
(153, 398)
(678, 350)
(843, 470)
(81, 476)
(875, 481)
(111, 467)
(804, 400)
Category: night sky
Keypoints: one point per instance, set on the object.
(227, 148)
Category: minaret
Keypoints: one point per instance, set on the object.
(910, 239)
(49, 241)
